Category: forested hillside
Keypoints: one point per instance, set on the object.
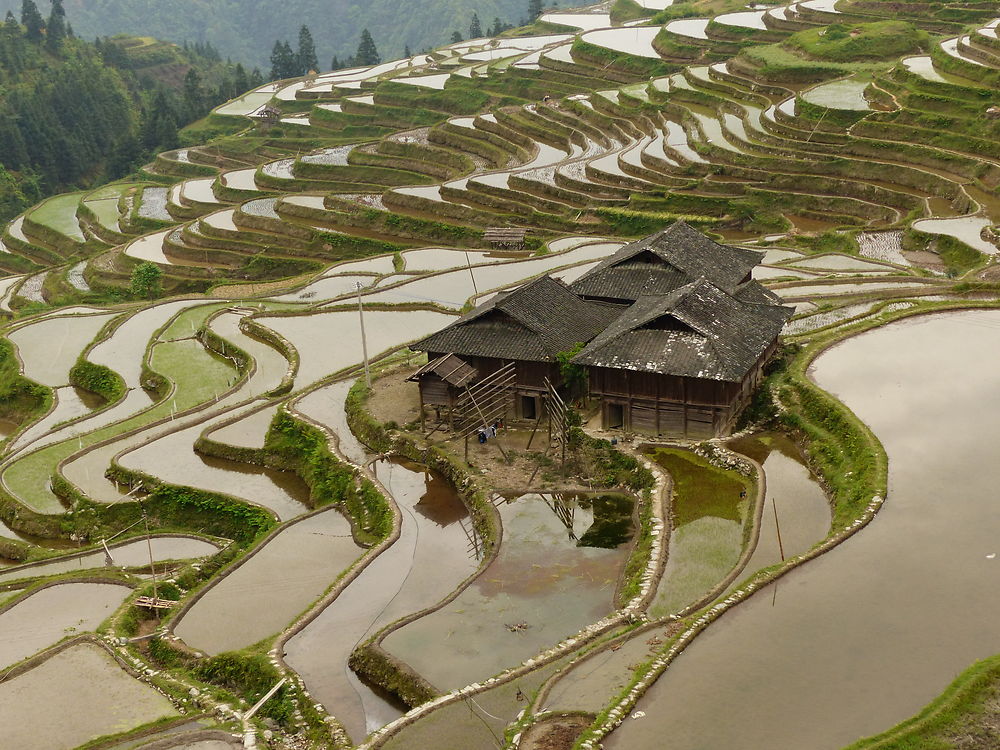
(245, 30)
(74, 113)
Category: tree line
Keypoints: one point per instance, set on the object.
(75, 114)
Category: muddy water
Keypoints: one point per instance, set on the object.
(432, 556)
(248, 432)
(803, 511)
(70, 403)
(326, 405)
(267, 592)
(964, 228)
(50, 347)
(133, 554)
(384, 331)
(826, 290)
(48, 616)
(847, 94)
(862, 637)
(546, 583)
(478, 722)
(591, 684)
(327, 288)
(634, 41)
(86, 690)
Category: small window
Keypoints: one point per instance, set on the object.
(529, 407)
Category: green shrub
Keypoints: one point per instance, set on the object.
(98, 379)
(20, 398)
(249, 676)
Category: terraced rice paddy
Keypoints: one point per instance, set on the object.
(575, 586)
(871, 189)
(95, 698)
(45, 617)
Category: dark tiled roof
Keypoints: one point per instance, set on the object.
(451, 369)
(532, 323)
(698, 331)
(665, 261)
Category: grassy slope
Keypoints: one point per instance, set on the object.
(965, 717)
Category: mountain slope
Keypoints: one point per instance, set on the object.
(245, 30)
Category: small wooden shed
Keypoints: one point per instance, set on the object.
(266, 116)
(505, 238)
(441, 380)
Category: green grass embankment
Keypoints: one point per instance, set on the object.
(963, 717)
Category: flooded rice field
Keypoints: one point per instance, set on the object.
(711, 513)
(49, 348)
(326, 406)
(382, 328)
(517, 606)
(173, 459)
(265, 594)
(846, 94)
(95, 697)
(794, 501)
(615, 145)
(133, 554)
(968, 229)
(437, 549)
(844, 620)
(45, 617)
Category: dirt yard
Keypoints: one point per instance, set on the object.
(519, 458)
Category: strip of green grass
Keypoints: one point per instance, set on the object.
(963, 716)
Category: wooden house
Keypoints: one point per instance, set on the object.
(683, 363)
(669, 259)
(676, 333)
(528, 326)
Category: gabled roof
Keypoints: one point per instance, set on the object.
(532, 323)
(698, 331)
(451, 369)
(665, 261)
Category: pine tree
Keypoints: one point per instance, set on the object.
(284, 63)
(31, 19)
(240, 81)
(336, 64)
(194, 95)
(256, 79)
(456, 37)
(406, 51)
(475, 29)
(367, 52)
(534, 9)
(307, 52)
(10, 20)
(56, 28)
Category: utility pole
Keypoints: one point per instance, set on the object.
(152, 568)
(468, 262)
(364, 341)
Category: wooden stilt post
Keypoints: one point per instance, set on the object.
(777, 528)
